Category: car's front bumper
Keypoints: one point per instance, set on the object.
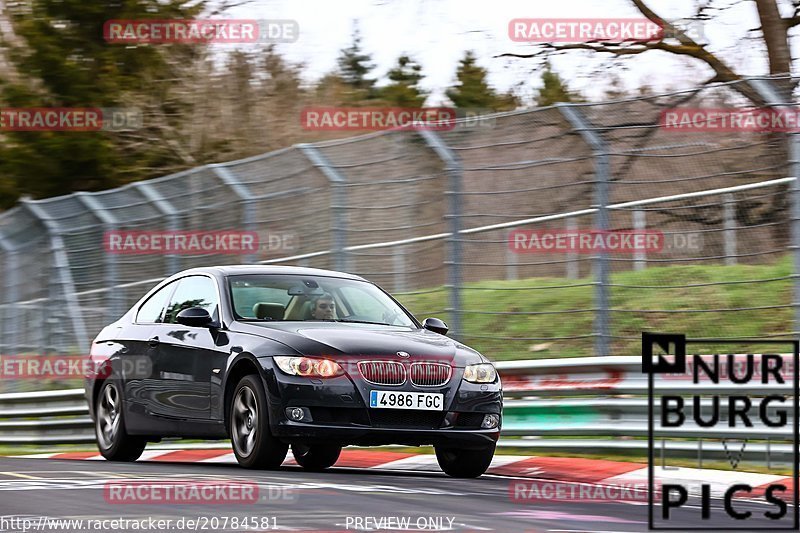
(340, 413)
(378, 436)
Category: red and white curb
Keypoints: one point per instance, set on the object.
(562, 469)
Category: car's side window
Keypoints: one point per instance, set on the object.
(363, 304)
(152, 311)
(193, 291)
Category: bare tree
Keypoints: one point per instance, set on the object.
(772, 34)
(773, 29)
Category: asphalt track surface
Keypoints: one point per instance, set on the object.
(292, 499)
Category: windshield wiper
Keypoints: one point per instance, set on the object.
(363, 322)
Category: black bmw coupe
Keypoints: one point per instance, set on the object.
(273, 357)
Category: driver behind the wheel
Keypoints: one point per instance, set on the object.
(323, 307)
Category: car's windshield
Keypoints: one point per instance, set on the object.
(296, 297)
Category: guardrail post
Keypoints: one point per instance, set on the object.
(595, 140)
(774, 99)
(639, 224)
(246, 198)
(169, 212)
(729, 208)
(338, 203)
(110, 223)
(62, 272)
(454, 173)
(769, 460)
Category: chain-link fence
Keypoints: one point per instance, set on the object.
(432, 216)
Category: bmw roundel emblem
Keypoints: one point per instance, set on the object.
(403, 354)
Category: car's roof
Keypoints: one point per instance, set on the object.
(232, 270)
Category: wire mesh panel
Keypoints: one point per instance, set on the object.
(519, 166)
(680, 282)
(26, 271)
(391, 190)
(291, 202)
(651, 155)
(385, 206)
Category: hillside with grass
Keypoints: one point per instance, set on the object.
(706, 301)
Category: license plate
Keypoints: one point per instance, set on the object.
(428, 401)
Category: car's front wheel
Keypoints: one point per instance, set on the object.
(253, 444)
(113, 440)
(316, 457)
(464, 463)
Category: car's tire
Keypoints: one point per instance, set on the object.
(317, 457)
(112, 438)
(464, 463)
(253, 444)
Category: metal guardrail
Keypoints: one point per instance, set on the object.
(546, 406)
(51, 417)
(548, 409)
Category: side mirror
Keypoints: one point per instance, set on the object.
(433, 324)
(196, 317)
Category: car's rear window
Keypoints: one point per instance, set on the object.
(246, 296)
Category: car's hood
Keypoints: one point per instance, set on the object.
(345, 340)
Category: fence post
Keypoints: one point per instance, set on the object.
(597, 143)
(729, 214)
(639, 224)
(62, 272)
(573, 265)
(245, 197)
(170, 213)
(511, 258)
(454, 175)
(774, 99)
(399, 268)
(9, 328)
(110, 223)
(338, 203)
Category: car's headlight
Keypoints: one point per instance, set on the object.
(480, 373)
(308, 366)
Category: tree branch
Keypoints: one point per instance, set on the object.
(686, 46)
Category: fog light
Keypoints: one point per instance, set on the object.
(295, 413)
(490, 421)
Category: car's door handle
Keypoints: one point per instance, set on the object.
(154, 342)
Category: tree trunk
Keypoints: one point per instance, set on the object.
(775, 30)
